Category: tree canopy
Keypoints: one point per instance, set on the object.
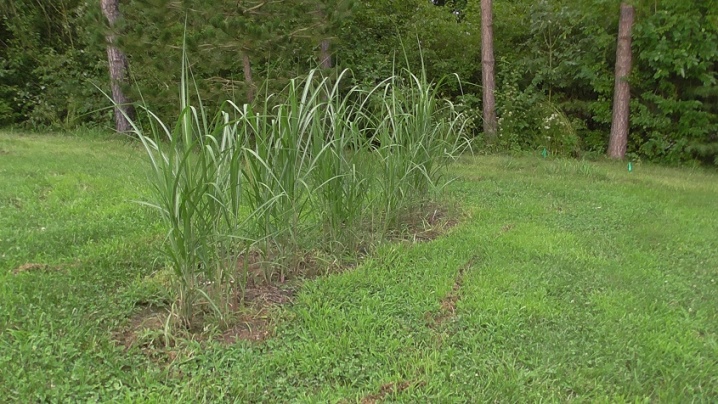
(554, 62)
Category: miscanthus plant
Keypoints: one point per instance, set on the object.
(308, 169)
(418, 134)
(198, 190)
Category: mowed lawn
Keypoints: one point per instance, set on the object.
(564, 281)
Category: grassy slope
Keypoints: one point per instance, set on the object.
(585, 282)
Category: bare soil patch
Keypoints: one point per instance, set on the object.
(149, 318)
(267, 289)
(256, 323)
(507, 228)
(389, 389)
(29, 267)
(425, 225)
(34, 266)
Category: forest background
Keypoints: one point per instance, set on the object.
(554, 63)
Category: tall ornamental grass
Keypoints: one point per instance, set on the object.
(248, 192)
(418, 135)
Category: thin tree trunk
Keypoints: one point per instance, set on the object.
(487, 69)
(325, 56)
(248, 81)
(325, 62)
(118, 67)
(622, 90)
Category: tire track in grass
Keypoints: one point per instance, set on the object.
(434, 321)
(448, 304)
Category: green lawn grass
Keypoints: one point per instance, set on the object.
(571, 281)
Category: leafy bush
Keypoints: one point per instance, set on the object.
(677, 83)
(48, 65)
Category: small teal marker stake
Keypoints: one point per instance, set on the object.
(630, 167)
(544, 153)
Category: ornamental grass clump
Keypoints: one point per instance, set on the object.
(418, 135)
(198, 190)
(248, 192)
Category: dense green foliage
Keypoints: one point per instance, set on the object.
(581, 282)
(555, 61)
(318, 172)
(48, 62)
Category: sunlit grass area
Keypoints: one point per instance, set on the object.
(564, 281)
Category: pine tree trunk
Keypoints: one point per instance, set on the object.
(622, 90)
(487, 69)
(248, 81)
(325, 61)
(118, 66)
(325, 57)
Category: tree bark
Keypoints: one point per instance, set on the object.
(248, 81)
(118, 67)
(325, 56)
(487, 69)
(622, 89)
